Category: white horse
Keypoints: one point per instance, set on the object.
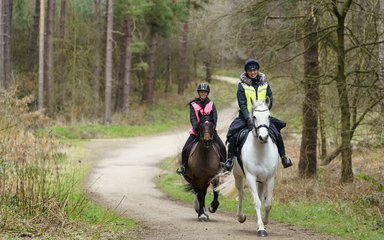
(260, 160)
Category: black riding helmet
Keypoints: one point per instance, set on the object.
(203, 87)
(251, 64)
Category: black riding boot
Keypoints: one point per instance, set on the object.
(184, 160)
(284, 159)
(182, 169)
(231, 153)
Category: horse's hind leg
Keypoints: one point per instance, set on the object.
(215, 202)
(239, 183)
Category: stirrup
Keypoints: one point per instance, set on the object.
(181, 170)
(228, 164)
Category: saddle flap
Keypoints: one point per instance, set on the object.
(215, 147)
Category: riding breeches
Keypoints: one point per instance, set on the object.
(279, 124)
(222, 150)
(277, 134)
(235, 127)
(187, 147)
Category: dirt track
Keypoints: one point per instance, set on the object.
(122, 180)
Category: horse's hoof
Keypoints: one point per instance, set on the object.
(242, 219)
(262, 233)
(212, 209)
(203, 217)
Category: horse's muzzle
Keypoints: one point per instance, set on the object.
(263, 140)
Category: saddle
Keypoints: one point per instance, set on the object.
(193, 145)
(240, 140)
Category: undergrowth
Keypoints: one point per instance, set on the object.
(40, 187)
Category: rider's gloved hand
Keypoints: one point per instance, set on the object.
(250, 124)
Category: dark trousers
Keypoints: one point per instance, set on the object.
(187, 147)
(276, 125)
(239, 123)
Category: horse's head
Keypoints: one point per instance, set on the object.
(206, 131)
(260, 118)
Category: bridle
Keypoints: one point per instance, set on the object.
(256, 132)
(208, 130)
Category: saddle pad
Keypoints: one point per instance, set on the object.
(240, 140)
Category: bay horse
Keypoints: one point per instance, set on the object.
(259, 156)
(203, 166)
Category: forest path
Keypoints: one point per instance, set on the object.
(122, 179)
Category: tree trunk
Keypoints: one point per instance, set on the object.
(183, 68)
(32, 51)
(208, 70)
(108, 66)
(120, 81)
(7, 42)
(323, 142)
(128, 66)
(62, 59)
(346, 149)
(41, 56)
(123, 90)
(150, 79)
(50, 83)
(2, 76)
(380, 24)
(96, 81)
(308, 159)
(169, 71)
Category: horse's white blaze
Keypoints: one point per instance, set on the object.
(260, 118)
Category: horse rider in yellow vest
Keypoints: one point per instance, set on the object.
(253, 85)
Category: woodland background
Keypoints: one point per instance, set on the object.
(69, 62)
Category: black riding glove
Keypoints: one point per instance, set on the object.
(250, 124)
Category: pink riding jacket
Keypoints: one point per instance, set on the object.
(204, 112)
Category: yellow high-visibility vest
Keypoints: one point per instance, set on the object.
(250, 93)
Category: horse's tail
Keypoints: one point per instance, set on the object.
(188, 188)
(228, 188)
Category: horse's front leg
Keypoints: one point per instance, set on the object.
(239, 183)
(196, 204)
(269, 186)
(251, 180)
(215, 202)
(202, 216)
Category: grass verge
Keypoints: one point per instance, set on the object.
(350, 215)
